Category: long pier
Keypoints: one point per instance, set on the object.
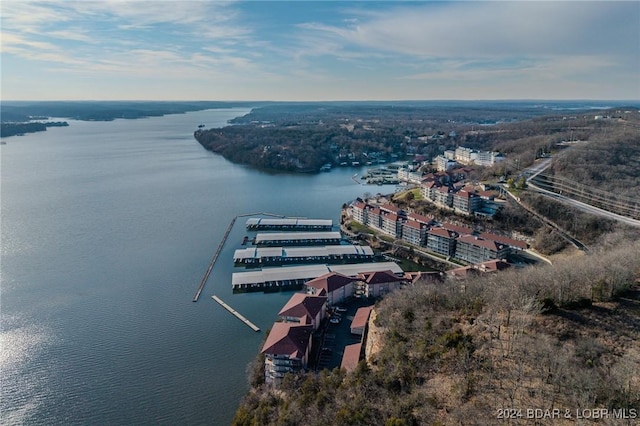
(217, 253)
(213, 260)
(236, 313)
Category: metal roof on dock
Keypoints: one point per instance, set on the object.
(256, 222)
(308, 272)
(294, 252)
(297, 236)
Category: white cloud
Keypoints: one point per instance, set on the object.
(449, 29)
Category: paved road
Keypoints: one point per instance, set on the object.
(539, 167)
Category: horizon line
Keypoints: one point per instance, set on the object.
(332, 100)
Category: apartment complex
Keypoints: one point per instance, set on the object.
(446, 239)
(451, 194)
(288, 345)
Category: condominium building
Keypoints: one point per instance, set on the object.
(442, 241)
(466, 202)
(286, 350)
(474, 249)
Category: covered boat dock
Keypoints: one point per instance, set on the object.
(292, 277)
(258, 223)
(259, 256)
(297, 238)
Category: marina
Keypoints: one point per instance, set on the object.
(205, 278)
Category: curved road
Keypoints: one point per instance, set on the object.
(538, 168)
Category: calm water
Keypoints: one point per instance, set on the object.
(107, 229)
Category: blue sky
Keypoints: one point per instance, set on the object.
(323, 50)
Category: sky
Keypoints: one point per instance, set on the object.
(319, 50)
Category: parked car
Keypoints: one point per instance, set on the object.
(334, 320)
(341, 309)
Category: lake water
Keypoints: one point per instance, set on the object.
(107, 230)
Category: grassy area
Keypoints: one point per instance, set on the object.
(409, 266)
(358, 227)
(409, 195)
(417, 194)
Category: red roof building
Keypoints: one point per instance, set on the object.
(419, 218)
(377, 284)
(286, 350)
(517, 244)
(351, 357)
(477, 250)
(304, 309)
(442, 241)
(360, 320)
(466, 202)
(390, 208)
(414, 232)
(335, 286)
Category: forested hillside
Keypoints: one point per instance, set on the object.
(563, 337)
(604, 171)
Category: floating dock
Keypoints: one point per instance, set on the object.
(236, 313)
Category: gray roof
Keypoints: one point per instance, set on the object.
(292, 252)
(255, 221)
(308, 272)
(279, 274)
(292, 236)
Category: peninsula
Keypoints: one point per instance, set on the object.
(314, 137)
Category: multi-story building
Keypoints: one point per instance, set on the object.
(443, 164)
(414, 230)
(474, 249)
(304, 309)
(390, 208)
(377, 284)
(466, 202)
(391, 224)
(442, 241)
(335, 286)
(419, 218)
(286, 350)
(358, 211)
(465, 155)
(428, 190)
(443, 196)
(409, 176)
(374, 218)
(514, 244)
(488, 158)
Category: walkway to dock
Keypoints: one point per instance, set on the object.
(236, 313)
(217, 253)
(213, 260)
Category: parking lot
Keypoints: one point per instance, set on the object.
(332, 338)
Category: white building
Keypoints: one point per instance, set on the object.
(443, 164)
